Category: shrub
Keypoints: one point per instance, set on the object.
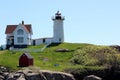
(95, 55)
(79, 58)
(114, 61)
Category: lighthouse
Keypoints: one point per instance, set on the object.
(58, 30)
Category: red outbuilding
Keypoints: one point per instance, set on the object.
(25, 60)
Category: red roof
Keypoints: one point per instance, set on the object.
(27, 54)
(11, 28)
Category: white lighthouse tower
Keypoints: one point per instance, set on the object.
(58, 31)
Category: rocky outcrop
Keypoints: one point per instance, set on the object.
(35, 74)
(117, 47)
(92, 77)
(62, 50)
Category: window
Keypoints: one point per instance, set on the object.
(20, 32)
(20, 39)
(59, 39)
(43, 40)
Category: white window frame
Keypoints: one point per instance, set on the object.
(20, 39)
(20, 32)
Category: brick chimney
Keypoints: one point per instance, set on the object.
(23, 22)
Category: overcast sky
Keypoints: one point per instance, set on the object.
(86, 21)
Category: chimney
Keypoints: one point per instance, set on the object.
(23, 22)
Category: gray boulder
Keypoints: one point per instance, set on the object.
(92, 77)
(35, 74)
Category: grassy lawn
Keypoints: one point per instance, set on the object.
(48, 59)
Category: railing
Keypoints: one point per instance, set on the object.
(60, 17)
(31, 50)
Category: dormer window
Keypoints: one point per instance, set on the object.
(20, 32)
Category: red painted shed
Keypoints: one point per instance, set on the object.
(25, 60)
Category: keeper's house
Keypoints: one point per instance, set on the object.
(18, 36)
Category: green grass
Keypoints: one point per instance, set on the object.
(48, 59)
